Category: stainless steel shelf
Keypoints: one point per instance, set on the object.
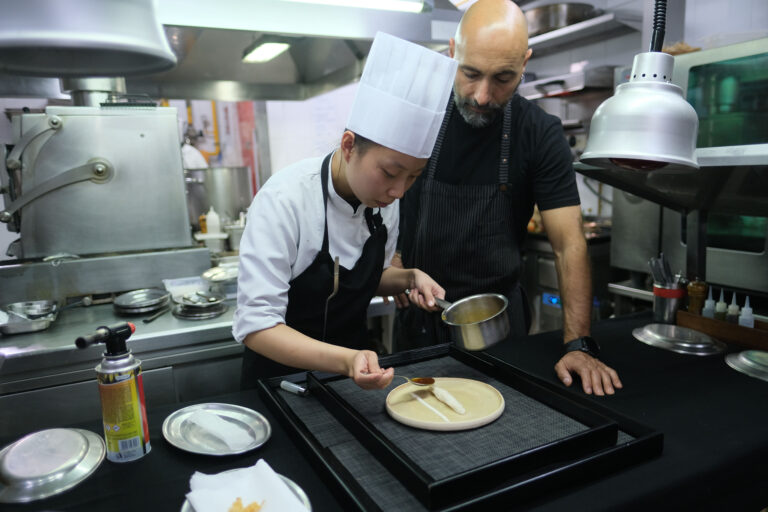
(600, 77)
(624, 289)
(732, 179)
(550, 41)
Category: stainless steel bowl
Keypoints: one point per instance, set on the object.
(29, 316)
(551, 17)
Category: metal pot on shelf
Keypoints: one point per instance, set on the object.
(227, 189)
(554, 16)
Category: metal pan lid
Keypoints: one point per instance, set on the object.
(48, 462)
(679, 339)
(188, 436)
(143, 298)
(138, 311)
(750, 362)
(187, 313)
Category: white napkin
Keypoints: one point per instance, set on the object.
(235, 437)
(259, 483)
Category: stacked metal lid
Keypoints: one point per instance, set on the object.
(751, 362)
(200, 305)
(146, 300)
(679, 339)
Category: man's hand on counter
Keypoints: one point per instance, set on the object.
(595, 375)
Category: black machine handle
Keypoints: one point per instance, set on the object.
(113, 336)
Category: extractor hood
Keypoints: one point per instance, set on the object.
(328, 50)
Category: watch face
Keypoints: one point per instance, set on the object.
(590, 345)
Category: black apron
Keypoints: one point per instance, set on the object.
(307, 294)
(466, 241)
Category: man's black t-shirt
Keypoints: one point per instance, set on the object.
(540, 165)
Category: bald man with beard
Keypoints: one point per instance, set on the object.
(465, 219)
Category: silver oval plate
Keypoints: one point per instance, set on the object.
(48, 462)
(188, 436)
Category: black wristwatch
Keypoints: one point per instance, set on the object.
(584, 344)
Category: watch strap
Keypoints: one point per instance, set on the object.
(583, 344)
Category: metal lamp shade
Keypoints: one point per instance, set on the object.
(66, 38)
(647, 124)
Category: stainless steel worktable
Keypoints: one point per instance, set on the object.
(50, 358)
(181, 360)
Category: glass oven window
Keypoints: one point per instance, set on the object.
(735, 232)
(729, 97)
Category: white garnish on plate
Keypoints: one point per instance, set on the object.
(421, 400)
(448, 399)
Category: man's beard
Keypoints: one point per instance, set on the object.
(487, 114)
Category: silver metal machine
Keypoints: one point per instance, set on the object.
(97, 194)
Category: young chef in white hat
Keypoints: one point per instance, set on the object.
(342, 206)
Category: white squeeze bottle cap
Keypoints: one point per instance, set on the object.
(746, 318)
(733, 308)
(212, 221)
(709, 306)
(721, 305)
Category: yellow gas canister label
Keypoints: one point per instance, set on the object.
(124, 414)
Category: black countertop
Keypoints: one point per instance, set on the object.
(714, 421)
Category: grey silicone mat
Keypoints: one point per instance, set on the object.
(525, 424)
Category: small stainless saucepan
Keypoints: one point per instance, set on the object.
(477, 322)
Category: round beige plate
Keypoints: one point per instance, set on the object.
(483, 404)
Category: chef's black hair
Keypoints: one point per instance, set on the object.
(362, 144)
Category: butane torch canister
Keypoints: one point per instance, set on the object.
(122, 393)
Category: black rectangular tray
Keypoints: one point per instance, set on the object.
(586, 453)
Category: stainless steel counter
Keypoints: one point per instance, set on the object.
(49, 357)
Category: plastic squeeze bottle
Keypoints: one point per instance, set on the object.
(721, 307)
(709, 306)
(212, 221)
(745, 318)
(732, 315)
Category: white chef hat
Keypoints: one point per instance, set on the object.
(401, 99)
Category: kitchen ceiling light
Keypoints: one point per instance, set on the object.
(263, 51)
(387, 5)
(647, 124)
(83, 38)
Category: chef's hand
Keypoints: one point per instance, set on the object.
(423, 290)
(401, 299)
(367, 374)
(595, 375)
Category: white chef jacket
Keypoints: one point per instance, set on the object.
(283, 235)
